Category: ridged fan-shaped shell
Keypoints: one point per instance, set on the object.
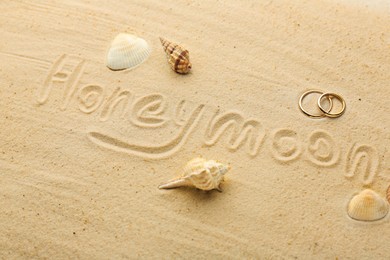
(127, 51)
(178, 57)
(200, 173)
(367, 206)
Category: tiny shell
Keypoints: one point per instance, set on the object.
(388, 194)
(127, 51)
(201, 174)
(178, 57)
(367, 206)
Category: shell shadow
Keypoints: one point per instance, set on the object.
(197, 195)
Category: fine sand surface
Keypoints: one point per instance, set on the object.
(83, 148)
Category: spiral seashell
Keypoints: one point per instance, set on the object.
(388, 194)
(367, 206)
(177, 56)
(201, 174)
(127, 51)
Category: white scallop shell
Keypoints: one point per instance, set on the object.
(368, 206)
(127, 51)
(201, 174)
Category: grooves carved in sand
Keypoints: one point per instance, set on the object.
(180, 112)
(90, 98)
(149, 150)
(322, 149)
(364, 158)
(285, 145)
(147, 111)
(241, 130)
(66, 70)
(114, 101)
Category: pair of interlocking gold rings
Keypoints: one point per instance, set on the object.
(325, 112)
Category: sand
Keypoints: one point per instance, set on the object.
(83, 148)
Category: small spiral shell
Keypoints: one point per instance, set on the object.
(201, 174)
(178, 57)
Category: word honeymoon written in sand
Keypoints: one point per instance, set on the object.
(149, 111)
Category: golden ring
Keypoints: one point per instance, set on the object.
(307, 113)
(327, 113)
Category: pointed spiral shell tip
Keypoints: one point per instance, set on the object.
(177, 56)
(199, 173)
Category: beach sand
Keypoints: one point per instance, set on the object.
(84, 148)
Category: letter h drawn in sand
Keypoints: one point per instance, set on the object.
(66, 70)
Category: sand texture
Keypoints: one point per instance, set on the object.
(83, 148)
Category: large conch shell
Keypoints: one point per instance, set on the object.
(178, 57)
(368, 206)
(201, 174)
(127, 51)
